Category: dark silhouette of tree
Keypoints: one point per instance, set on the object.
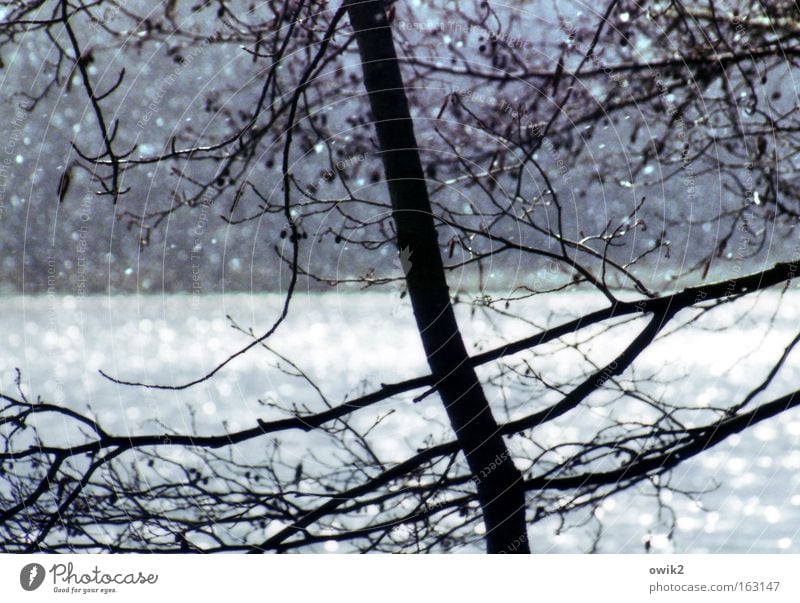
(496, 133)
(500, 494)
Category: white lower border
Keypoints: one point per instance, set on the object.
(400, 579)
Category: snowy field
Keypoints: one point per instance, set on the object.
(350, 343)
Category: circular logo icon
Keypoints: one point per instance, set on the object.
(31, 576)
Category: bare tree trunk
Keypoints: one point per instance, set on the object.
(498, 481)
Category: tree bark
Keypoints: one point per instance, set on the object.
(498, 481)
